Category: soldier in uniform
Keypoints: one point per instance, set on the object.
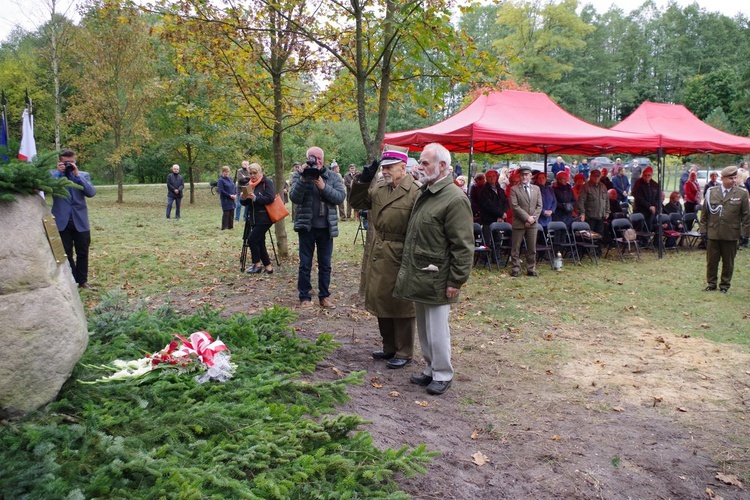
(725, 218)
(389, 201)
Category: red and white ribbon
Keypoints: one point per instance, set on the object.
(202, 345)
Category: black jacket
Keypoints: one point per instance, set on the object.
(264, 194)
(492, 205)
(175, 181)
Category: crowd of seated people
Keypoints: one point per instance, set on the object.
(489, 194)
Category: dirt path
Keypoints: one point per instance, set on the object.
(587, 412)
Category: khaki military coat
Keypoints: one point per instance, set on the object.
(388, 216)
(725, 217)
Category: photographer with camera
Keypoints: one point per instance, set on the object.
(72, 217)
(316, 192)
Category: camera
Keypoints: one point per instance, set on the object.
(69, 166)
(310, 172)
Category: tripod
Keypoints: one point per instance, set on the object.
(245, 245)
(363, 223)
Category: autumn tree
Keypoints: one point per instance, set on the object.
(115, 82)
(252, 46)
(56, 35)
(384, 49)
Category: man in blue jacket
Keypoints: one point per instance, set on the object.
(72, 217)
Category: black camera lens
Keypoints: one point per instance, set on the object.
(310, 173)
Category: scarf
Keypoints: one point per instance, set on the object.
(253, 184)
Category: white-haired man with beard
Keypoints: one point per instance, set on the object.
(436, 262)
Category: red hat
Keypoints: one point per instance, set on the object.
(391, 156)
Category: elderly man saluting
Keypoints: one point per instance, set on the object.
(437, 261)
(725, 218)
(389, 201)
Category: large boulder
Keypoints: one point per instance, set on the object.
(42, 323)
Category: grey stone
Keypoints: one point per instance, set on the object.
(42, 322)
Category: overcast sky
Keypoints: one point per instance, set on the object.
(35, 12)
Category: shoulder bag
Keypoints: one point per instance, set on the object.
(276, 209)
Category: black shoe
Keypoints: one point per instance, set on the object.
(269, 271)
(397, 363)
(724, 290)
(438, 387)
(86, 286)
(532, 273)
(421, 379)
(254, 270)
(709, 289)
(382, 355)
(514, 274)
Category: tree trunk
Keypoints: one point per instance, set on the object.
(278, 159)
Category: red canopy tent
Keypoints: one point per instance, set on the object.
(681, 132)
(512, 121)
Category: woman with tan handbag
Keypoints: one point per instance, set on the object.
(258, 193)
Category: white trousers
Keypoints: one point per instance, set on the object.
(435, 339)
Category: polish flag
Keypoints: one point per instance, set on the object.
(27, 151)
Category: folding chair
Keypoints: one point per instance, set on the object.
(677, 222)
(619, 226)
(561, 240)
(691, 237)
(500, 243)
(638, 222)
(481, 250)
(584, 238)
(543, 247)
(670, 239)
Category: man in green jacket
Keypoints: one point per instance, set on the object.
(437, 261)
(724, 219)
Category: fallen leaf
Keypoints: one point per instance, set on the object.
(475, 434)
(394, 394)
(423, 404)
(619, 409)
(549, 372)
(337, 372)
(729, 479)
(376, 385)
(680, 408)
(555, 438)
(480, 458)
(705, 325)
(712, 495)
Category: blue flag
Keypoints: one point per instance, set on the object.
(4, 140)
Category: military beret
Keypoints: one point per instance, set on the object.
(729, 172)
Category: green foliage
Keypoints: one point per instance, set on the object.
(25, 178)
(251, 437)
